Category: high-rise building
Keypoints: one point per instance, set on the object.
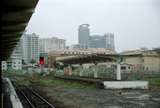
(106, 41)
(50, 44)
(97, 41)
(30, 47)
(110, 41)
(83, 35)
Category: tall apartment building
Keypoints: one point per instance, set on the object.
(83, 35)
(30, 47)
(15, 60)
(50, 44)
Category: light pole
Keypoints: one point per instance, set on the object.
(118, 74)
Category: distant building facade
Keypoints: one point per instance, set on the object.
(146, 60)
(30, 47)
(79, 46)
(85, 40)
(97, 41)
(83, 35)
(106, 41)
(15, 60)
(50, 44)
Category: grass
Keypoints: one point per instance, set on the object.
(10, 73)
(154, 81)
(51, 81)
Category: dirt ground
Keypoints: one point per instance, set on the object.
(99, 98)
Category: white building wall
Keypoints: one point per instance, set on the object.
(4, 65)
(50, 44)
(15, 60)
(30, 47)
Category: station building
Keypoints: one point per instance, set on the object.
(142, 60)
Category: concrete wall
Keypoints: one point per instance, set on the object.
(151, 63)
(143, 63)
(126, 84)
(135, 61)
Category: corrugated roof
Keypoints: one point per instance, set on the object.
(15, 17)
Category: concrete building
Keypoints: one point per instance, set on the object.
(83, 35)
(4, 65)
(142, 60)
(15, 60)
(30, 47)
(97, 41)
(85, 40)
(50, 44)
(102, 41)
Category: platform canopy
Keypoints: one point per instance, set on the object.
(15, 17)
(86, 59)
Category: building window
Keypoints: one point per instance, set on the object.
(129, 67)
(123, 67)
(146, 68)
(143, 67)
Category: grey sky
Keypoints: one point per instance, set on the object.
(135, 23)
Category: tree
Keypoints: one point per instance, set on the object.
(157, 50)
(33, 61)
(23, 62)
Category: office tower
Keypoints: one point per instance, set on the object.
(83, 35)
(97, 41)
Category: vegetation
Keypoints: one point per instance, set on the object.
(33, 61)
(154, 81)
(12, 72)
(51, 81)
(18, 75)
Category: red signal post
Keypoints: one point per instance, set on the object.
(41, 61)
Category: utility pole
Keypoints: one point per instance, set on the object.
(118, 74)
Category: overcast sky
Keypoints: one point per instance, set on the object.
(135, 23)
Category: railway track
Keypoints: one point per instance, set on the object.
(96, 81)
(31, 99)
(83, 79)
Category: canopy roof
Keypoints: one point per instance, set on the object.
(15, 17)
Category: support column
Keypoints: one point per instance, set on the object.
(81, 70)
(95, 73)
(118, 71)
(70, 70)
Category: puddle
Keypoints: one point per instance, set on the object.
(139, 97)
(156, 99)
(113, 107)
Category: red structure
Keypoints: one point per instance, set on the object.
(41, 60)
